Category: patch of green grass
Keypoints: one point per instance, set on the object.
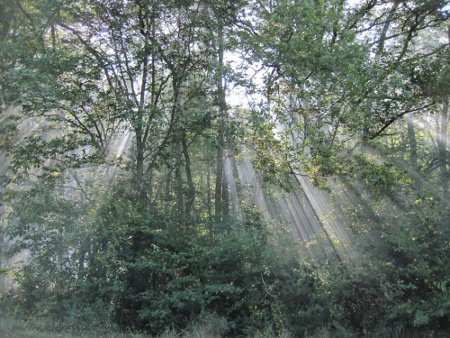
(210, 327)
(13, 328)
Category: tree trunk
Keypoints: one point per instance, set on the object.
(412, 144)
(219, 195)
(166, 199)
(179, 183)
(190, 198)
(208, 192)
(139, 174)
(218, 189)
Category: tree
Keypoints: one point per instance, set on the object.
(97, 74)
(330, 87)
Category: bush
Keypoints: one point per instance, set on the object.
(141, 271)
(137, 270)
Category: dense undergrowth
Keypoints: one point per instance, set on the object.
(144, 273)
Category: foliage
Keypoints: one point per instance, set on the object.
(335, 75)
(116, 192)
(405, 217)
(144, 272)
(140, 271)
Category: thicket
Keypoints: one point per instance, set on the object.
(133, 269)
(143, 271)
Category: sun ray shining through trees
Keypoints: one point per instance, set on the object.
(258, 167)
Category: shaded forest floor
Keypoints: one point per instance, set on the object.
(14, 328)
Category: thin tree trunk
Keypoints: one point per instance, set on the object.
(219, 197)
(190, 198)
(179, 182)
(139, 174)
(166, 198)
(218, 189)
(208, 192)
(150, 201)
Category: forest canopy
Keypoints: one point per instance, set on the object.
(273, 165)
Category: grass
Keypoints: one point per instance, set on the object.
(13, 328)
(208, 328)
